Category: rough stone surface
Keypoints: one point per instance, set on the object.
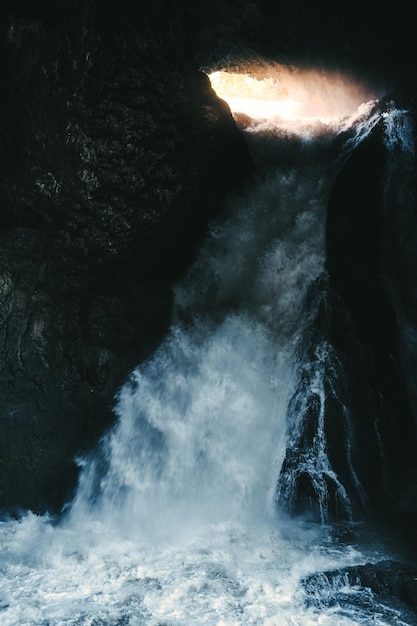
(115, 152)
(371, 273)
(366, 323)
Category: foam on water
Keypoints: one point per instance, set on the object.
(227, 573)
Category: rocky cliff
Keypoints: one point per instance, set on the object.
(115, 152)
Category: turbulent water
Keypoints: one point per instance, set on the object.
(175, 518)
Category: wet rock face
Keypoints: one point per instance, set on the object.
(387, 580)
(115, 153)
(371, 271)
(353, 440)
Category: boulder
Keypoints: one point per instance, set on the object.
(388, 580)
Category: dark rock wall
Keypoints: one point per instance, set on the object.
(371, 212)
(352, 444)
(115, 152)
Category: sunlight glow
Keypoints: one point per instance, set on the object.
(258, 98)
(290, 93)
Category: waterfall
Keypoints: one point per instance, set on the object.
(202, 425)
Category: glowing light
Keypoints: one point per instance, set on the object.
(258, 98)
(289, 93)
(258, 108)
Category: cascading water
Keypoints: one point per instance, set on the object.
(175, 519)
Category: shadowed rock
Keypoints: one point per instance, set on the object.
(115, 153)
